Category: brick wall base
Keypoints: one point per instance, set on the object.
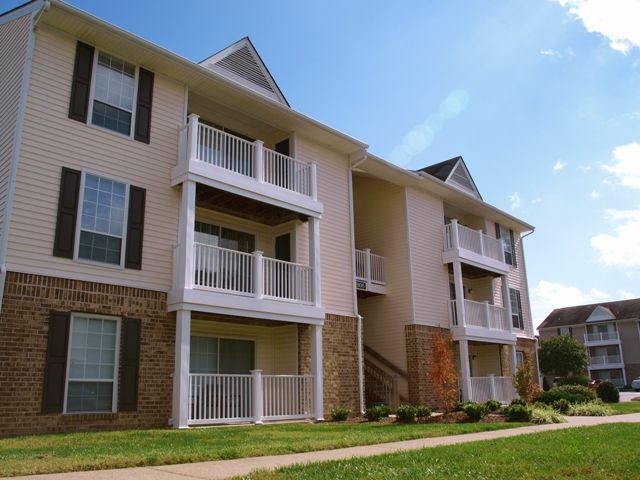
(419, 360)
(27, 303)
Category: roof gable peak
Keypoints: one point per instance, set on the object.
(454, 172)
(600, 314)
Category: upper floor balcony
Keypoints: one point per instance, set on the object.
(480, 321)
(370, 276)
(230, 163)
(606, 361)
(601, 338)
(473, 247)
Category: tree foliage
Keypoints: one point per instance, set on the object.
(443, 374)
(525, 381)
(562, 355)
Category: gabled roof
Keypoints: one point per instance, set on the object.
(241, 63)
(596, 312)
(454, 172)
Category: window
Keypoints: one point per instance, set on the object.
(516, 309)
(113, 95)
(508, 244)
(92, 367)
(211, 355)
(101, 233)
(215, 235)
(519, 359)
(564, 331)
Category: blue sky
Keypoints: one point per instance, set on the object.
(541, 98)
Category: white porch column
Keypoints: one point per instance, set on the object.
(512, 359)
(457, 280)
(314, 258)
(492, 386)
(317, 371)
(313, 181)
(258, 397)
(465, 371)
(367, 267)
(186, 231)
(258, 274)
(258, 160)
(181, 372)
(192, 137)
(506, 300)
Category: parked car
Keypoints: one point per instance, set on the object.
(594, 383)
(635, 384)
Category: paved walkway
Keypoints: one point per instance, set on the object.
(242, 466)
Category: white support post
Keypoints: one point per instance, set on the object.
(512, 359)
(313, 180)
(192, 138)
(186, 229)
(181, 389)
(492, 386)
(487, 315)
(457, 280)
(367, 267)
(454, 233)
(481, 242)
(465, 371)
(317, 372)
(506, 301)
(314, 258)
(258, 274)
(258, 159)
(257, 400)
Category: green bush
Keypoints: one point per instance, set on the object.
(590, 409)
(517, 401)
(377, 412)
(493, 405)
(518, 412)
(574, 380)
(608, 392)
(545, 384)
(571, 393)
(459, 406)
(561, 405)
(339, 414)
(423, 411)
(406, 413)
(475, 411)
(541, 413)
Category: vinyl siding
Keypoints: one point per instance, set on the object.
(14, 39)
(337, 279)
(485, 360)
(430, 278)
(380, 224)
(51, 140)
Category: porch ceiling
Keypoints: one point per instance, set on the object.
(236, 320)
(472, 272)
(243, 207)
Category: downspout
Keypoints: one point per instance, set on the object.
(354, 162)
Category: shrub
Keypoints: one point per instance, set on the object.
(525, 381)
(518, 412)
(423, 411)
(541, 413)
(608, 392)
(493, 405)
(517, 401)
(339, 414)
(545, 384)
(475, 411)
(590, 409)
(406, 413)
(561, 405)
(571, 393)
(376, 412)
(443, 374)
(459, 406)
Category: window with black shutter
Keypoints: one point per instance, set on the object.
(508, 244)
(516, 309)
(129, 365)
(55, 363)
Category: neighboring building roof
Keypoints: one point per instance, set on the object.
(454, 172)
(596, 312)
(441, 170)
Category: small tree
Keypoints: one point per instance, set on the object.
(525, 382)
(443, 373)
(561, 356)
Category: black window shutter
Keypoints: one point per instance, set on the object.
(143, 108)
(520, 319)
(135, 228)
(497, 230)
(55, 368)
(514, 262)
(129, 362)
(81, 83)
(67, 213)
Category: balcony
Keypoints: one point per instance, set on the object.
(370, 276)
(606, 361)
(492, 388)
(480, 321)
(601, 338)
(220, 160)
(473, 247)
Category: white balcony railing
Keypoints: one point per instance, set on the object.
(458, 236)
(370, 267)
(479, 314)
(251, 274)
(209, 145)
(601, 337)
(606, 360)
(223, 398)
(492, 388)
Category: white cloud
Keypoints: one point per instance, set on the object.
(559, 166)
(594, 194)
(585, 168)
(617, 20)
(515, 200)
(626, 164)
(621, 247)
(557, 54)
(624, 295)
(536, 200)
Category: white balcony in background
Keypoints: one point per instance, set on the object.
(227, 162)
(370, 276)
(606, 361)
(601, 338)
(481, 321)
(473, 247)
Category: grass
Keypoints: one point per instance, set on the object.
(624, 407)
(594, 453)
(128, 448)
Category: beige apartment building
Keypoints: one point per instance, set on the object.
(178, 245)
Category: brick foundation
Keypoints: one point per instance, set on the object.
(28, 300)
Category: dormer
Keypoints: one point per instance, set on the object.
(454, 172)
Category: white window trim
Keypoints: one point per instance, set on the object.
(92, 88)
(252, 339)
(125, 221)
(520, 355)
(116, 367)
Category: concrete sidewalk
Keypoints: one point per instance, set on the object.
(228, 468)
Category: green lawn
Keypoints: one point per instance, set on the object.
(593, 453)
(99, 450)
(624, 407)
